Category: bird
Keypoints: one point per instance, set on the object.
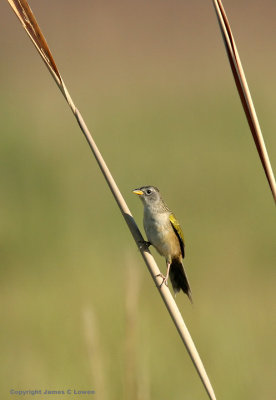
(165, 234)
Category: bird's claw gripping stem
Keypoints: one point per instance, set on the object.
(143, 243)
(164, 279)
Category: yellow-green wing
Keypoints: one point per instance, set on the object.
(179, 233)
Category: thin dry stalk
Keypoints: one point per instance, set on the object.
(29, 23)
(95, 355)
(137, 374)
(144, 373)
(132, 294)
(244, 93)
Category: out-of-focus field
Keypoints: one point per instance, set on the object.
(153, 83)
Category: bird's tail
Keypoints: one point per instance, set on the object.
(179, 278)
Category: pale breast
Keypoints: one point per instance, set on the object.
(161, 235)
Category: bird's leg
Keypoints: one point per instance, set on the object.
(165, 278)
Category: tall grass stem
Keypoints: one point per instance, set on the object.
(25, 15)
(244, 92)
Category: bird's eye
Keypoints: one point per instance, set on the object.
(148, 191)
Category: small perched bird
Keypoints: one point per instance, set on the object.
(165, 234)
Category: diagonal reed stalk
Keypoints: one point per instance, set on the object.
(26, 17)
(244, 93)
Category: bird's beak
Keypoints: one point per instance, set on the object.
(138, 191)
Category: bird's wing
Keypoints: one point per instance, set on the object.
(179, 233)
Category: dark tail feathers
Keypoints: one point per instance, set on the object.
(179, 278)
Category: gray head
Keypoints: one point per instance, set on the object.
(151, 197)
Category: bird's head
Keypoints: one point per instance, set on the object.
(149, 195)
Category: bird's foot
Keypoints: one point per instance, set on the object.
(164, 279)
(144, 243)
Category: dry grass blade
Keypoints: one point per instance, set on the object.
(244, 93)
(28, 20)
(25, 14)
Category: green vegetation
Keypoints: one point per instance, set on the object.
(64, 247)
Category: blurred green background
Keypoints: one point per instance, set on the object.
(154, 85)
